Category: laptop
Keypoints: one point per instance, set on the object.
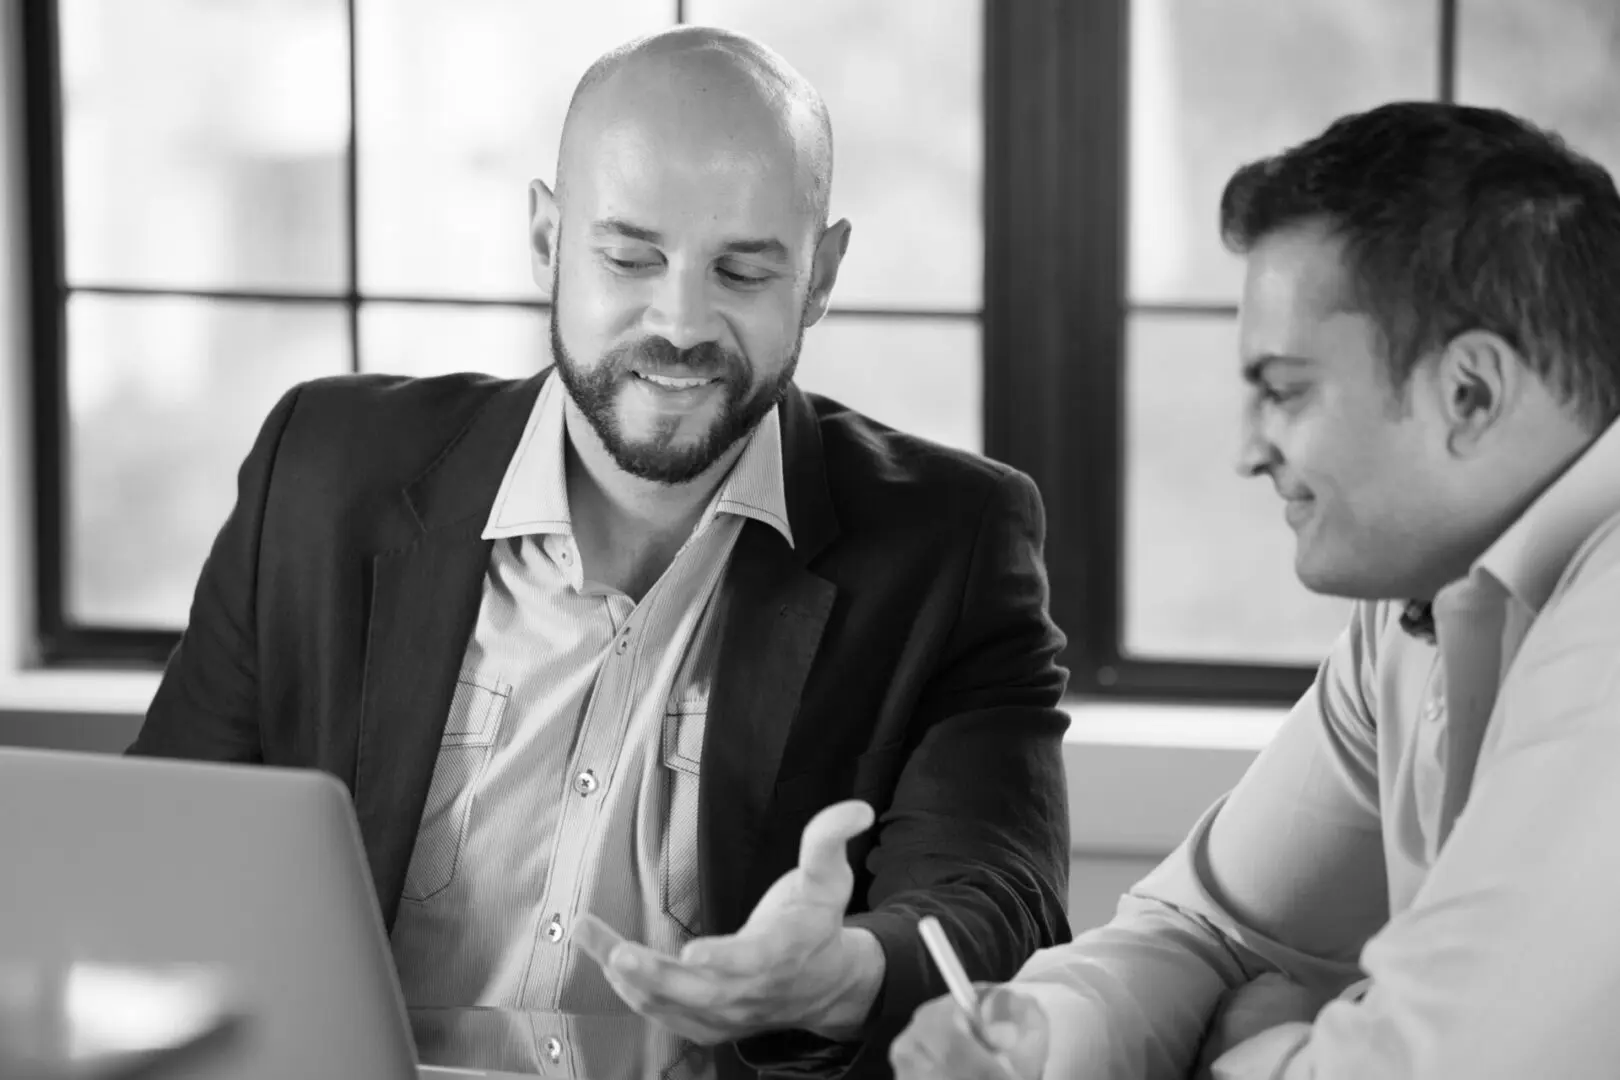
(237, 898)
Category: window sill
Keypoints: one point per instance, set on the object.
(1139, 774)
(119, 693)
(1099, 723)
(1092, 723)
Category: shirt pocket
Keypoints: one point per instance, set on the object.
(680, 891)
(476, 710)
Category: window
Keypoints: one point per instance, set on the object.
(243, 195)
(229, 197)
(1191, 590)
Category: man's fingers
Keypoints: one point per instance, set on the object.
(939, 1042)
(734, 954)
(667, 983)
(680, 1022)
(822, 855)
(924, 1045)
(1004, 1005)
(597, 938)
(989, 1062)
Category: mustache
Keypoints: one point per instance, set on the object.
(655, 355)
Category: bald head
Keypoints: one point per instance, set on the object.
(711, 92)
(686, 247)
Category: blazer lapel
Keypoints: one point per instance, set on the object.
(425, 596)
(774, 615)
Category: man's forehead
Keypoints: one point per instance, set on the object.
(633, 172)
(1295, 290)
(1300, 268)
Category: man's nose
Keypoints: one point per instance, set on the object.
(682, 312)
(1256, 454)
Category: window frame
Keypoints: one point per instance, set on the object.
(1053, 318)
(1056, 307)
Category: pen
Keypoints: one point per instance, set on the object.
(961, 987)
(956, 979)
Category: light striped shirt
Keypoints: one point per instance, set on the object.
(1430, 838)
(567, 775)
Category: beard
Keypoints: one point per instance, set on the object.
(596, 391)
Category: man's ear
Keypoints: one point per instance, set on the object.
(824, 269)
(1478, 374)
(542, 234)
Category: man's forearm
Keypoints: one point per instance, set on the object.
(1131, 1000)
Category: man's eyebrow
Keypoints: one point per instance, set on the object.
(1255, 370)
(769, 247)
(624, 228)
(774, 249)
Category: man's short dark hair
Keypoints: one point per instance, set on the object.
(1457, 218)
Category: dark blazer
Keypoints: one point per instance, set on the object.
(900, 652)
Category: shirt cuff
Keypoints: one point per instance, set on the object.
(904, 988)
(1264, 1057)
(1076, 1044)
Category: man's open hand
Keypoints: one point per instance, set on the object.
(793, 964)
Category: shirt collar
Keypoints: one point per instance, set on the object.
(533, 497)
(1531, 556)
(1528, 559)
(755, 488)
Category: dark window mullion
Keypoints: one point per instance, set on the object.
(1182, 310)
(48, 315)
(229, 295)
(404, 299)
(1448, 50)
(1056, 304)
(1055, 135)
(352, 192)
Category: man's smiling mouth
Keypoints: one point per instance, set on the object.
(675, 382)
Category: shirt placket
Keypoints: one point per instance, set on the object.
(595, 766)
(588, 774)
(1470, 623)
(606, 730)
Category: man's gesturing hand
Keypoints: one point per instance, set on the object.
(793, 964)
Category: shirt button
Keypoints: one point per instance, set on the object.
(554, 929)
(624, 643)
(554, 1049)
(585, 783)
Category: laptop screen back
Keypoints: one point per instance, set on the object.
(254, 877)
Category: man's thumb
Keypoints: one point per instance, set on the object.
(822, 854)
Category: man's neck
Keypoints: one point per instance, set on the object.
(628, 528)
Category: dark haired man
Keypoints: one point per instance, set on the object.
(1419, 877)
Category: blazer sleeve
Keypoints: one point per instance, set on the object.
(206, 704)
(977, 834)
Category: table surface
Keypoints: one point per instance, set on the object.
(501, 1043)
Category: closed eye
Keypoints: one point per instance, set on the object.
(627, 266)
(735, 278)
(1280, 395)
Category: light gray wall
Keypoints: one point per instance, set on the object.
(104, 732)
(1096, 878)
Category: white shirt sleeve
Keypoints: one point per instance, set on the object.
(1507, 963)
(1284, 874)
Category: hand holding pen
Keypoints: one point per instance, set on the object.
(999, 1034)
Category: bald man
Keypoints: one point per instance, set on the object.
(660, 685)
